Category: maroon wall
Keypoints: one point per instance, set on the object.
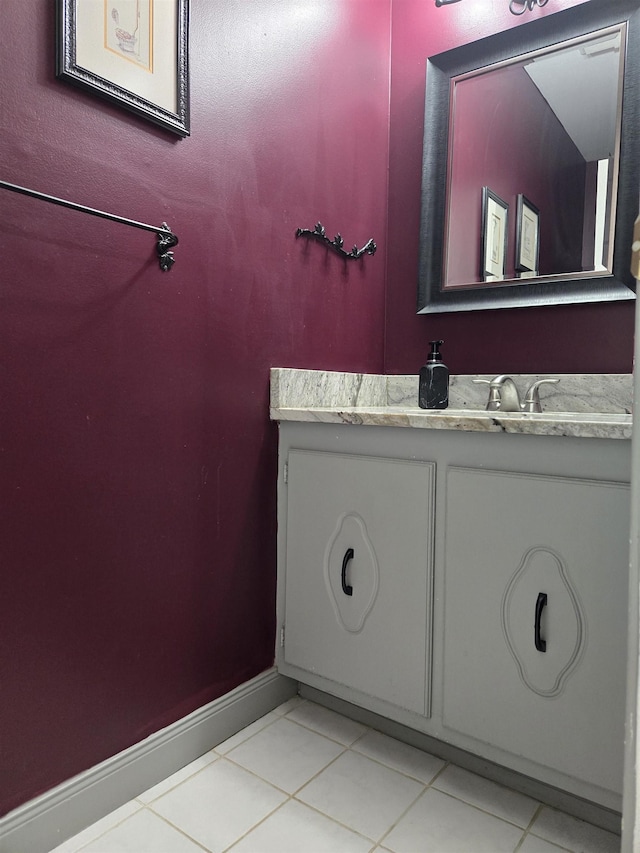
(593, 337)
(506, 110)
(138, 463)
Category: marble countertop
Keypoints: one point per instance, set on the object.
(583, 406)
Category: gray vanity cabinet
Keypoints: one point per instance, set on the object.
(359, 564)
(535, 618)
(470, 587)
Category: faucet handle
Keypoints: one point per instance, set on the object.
(532, 399)
(493, 403)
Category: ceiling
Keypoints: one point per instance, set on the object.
(581, 84)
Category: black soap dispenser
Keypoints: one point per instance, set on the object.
(433, 392)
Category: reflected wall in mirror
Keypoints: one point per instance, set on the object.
(548, 126)
(545, 116)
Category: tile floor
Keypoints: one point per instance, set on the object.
(303, 778)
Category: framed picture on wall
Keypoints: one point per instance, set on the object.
(495, 215)
(132, 52)
(527, 237)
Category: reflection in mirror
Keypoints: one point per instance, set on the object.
(548, 127)
(530, 166)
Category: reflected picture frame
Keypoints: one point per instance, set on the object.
(527, 237)
(134, 53)
(495, 237)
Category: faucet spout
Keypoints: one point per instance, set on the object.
(503, 395)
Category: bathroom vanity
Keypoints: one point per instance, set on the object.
(461, 572)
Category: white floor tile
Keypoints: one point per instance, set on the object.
(574, 834)
(178, 777)
(327, 722)
(143, 831)
(399, 756)
(286, 754)
(235, 740)
(98, 828)
(499, 801)
(295, 828)
(438, 822)
(219, 804)
(361, 793)
(358, 791)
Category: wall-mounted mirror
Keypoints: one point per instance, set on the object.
(531, 165)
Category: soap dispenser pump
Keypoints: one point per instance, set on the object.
(433, 391)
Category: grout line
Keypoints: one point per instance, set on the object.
(441, 771)
(378, 841)
(260, 822)
(315, 776)
(179, 829)
(518, 846)
(369, 730)
(404, 773)
(251, 736)
(255, 775)
(403, 815)
(553, 844)
(481, 809)
(310, 728)
(538, 812)
(336, 821)
(177, 784)
(322, 734)
(273, 784)
(535, 817)
(528, 827)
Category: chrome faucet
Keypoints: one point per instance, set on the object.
(504, 396)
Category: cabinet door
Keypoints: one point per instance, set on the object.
(359, 573)
(535, 618)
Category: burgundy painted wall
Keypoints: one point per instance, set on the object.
(138, 462)
(506, 109)
(594, 337)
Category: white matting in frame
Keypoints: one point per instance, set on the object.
(527, 237)
(495, 215)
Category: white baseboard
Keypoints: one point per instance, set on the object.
(46, 821)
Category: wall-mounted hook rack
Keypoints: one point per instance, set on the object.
(166, 238)
(337, 243)
(516, 7)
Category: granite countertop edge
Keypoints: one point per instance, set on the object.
(597, 405)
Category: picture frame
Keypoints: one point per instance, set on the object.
(527, 238)
(134, 53)
(495, 220)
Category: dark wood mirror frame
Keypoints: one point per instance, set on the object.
(550, 290)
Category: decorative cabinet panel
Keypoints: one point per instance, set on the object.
(535, 618)
(359, 568)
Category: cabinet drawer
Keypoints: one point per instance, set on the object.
(359, 572)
